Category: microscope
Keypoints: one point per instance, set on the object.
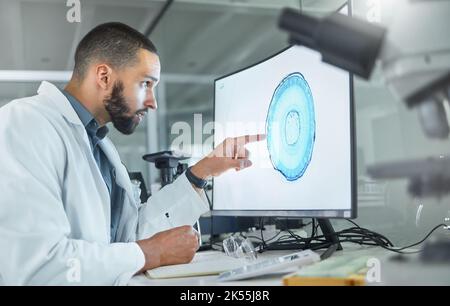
(414, 53)
(168, 162)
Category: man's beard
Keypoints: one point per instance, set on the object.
(118, 110)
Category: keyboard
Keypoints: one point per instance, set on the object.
(274, 265)
(204, 263)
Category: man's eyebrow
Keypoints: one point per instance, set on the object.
(152, 78)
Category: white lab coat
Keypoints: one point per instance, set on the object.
(55, 207)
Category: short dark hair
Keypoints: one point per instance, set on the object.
(115, 43)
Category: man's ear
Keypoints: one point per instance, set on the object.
(103, 75)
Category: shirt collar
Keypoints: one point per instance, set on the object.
(91, 125)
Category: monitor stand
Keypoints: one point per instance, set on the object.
(330, 236)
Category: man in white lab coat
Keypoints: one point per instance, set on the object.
(67, 210)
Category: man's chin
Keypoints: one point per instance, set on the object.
(127, 129)
(126, 132)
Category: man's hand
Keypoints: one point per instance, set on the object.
(174, 246)
(231, 153)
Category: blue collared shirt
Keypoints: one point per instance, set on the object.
(96, 133)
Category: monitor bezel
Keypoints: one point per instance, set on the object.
(338, 213)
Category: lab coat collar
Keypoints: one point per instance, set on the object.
(60, 102)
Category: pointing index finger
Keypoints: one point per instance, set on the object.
(250, 138)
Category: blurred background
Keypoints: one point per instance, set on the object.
(200, 40)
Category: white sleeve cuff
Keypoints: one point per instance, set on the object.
(133, 252)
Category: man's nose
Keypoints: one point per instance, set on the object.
(150, 102)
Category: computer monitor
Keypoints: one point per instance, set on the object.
(305, 167)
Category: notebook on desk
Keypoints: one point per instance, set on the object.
(204, 263)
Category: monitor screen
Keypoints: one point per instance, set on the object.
(304, 167)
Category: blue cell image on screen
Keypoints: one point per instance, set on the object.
(291, 127)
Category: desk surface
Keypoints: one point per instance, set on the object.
(211, 280)
(407, 270)
(265, 280)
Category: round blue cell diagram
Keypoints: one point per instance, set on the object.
(291, 127)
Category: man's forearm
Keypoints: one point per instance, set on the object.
(152, 259)
(201, 171)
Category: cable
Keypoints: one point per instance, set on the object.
(386, 244)
(425, 238)
(354, 223)
(357, 235)
(261, 226)
(211, 236)
(208, 199)
(290, 241)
